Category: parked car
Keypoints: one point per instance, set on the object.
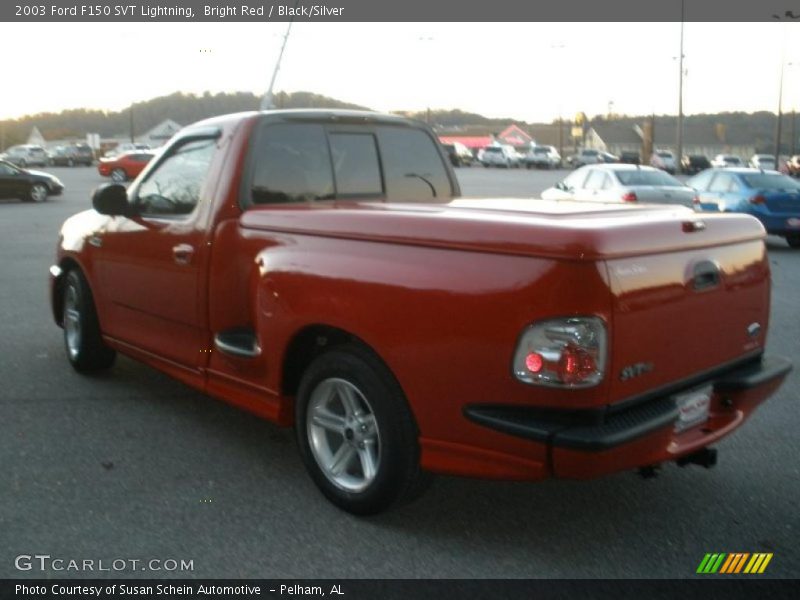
(74, 154)
(500, 156)
(664, 160)
(630, 157)
(694, 163)
(26, 155)
(723, 161)
(542, 157)
(459, 154)
(763, 161)
(769, 196)
(33, 186)
(127, 147)
(621, 183)
(587, 156)
(125, 166)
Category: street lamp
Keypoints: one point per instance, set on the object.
(680, 92)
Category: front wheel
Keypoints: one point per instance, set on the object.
(84, 344)
(793, 239)
(355, 431)
(38, 192)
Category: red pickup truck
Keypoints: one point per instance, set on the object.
(318, 269)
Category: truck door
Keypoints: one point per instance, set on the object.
(151, 263)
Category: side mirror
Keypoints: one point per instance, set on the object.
(111, 199)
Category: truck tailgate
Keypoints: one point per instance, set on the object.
(680, 314)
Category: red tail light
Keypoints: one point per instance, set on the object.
(758, 200)
(629, 197)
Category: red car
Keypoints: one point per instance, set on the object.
(125, 166)
(317, 269)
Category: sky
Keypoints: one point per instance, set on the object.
(528, 71)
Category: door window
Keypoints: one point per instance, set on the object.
(174, 187)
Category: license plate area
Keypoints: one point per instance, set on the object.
(693, 408)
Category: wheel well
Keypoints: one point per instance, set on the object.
(305, 346)
(66, 265)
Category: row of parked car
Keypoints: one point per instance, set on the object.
(69, 155)
(771, 197)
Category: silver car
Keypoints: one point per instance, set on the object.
(621, 183)
(26, 155)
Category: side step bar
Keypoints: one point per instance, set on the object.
(241, 342)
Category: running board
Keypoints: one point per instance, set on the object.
(240, 342)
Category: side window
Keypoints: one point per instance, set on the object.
(174, 187)
(355, 164)
(595, 180)
(291, 164)
(6, 170)
(720, 184)
(412, 165)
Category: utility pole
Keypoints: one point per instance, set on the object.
(267, 102)
(680, 93)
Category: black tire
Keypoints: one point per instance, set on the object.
(83, 342)
(793, 239)
(390, 435)
(38, 192)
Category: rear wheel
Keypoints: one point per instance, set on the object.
(793, 240)
(119, 175)
(84, 344)
(356, 434)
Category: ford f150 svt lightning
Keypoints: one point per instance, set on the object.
(318, 269)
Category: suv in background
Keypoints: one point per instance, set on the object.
(74, 154)
(459, 154)
(630, 157)
(500, 156)
(763, 161)
(694, 163)
(664, 160)
(723, 161)
(26, 155)
(546, 157)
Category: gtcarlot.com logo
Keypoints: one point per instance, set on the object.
(723, 563)
(45, 562)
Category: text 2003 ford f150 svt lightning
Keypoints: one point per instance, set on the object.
(315, 268)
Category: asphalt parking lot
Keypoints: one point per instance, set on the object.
(133, 465)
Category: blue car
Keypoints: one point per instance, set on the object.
(769, 196)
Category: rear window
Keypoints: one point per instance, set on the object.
(494, 150)
(665, 154)
(770, 181)
(541, 150)
(636, 177)
(731, 159)
(304, 162)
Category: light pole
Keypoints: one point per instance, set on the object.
(267, 101)
(680, 93)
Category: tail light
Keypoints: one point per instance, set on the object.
(629, 197)
(696, 200)
(569, 352)
(759, 199)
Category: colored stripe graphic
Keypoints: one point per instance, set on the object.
(734, 563)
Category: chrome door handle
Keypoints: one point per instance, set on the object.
(182, 254)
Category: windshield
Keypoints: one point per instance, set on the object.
(541, 150)
(731, 159)
(494, 149)
(771, 181)
(642, 177)
(664, 154)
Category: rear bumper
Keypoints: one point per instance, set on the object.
(585, 444)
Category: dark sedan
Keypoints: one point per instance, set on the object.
(694, 163)
(32, 186)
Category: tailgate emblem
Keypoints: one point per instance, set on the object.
(635, 370)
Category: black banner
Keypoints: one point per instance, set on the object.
(401, 589)
(392, 10)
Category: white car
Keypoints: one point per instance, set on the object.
(621, 183)
(763, 161)
(546, 157)
(722, 161)
(664, 160)
(500, 156)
